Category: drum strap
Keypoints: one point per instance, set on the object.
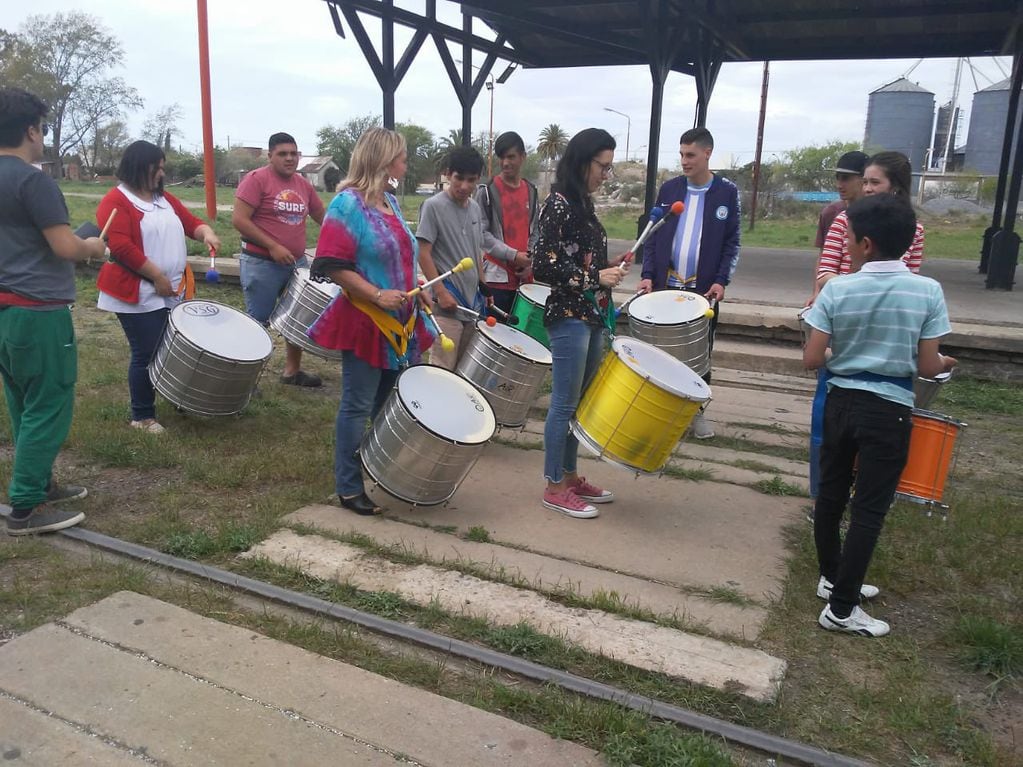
(397, 335)
(608, 317)
(863, 375)
(681, 280)
(187, 287)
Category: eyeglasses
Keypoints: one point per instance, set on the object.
(607, 170)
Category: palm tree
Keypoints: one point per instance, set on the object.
(550, 147)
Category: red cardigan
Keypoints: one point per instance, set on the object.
(120, 278)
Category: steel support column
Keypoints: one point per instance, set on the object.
(1003, 166)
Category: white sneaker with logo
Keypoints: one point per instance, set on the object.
(824, 587)
(858, 623)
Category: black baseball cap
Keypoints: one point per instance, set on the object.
(852, 162)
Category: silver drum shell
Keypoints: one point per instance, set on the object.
(199, 381)
(510, 382)
(298, 309)
(926, 389)
(412, 463)
(688, 342)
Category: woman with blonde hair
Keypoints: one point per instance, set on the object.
(366, 248)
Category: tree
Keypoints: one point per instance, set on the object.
(65, 59)
(338, 142)
(108, 143)
(159, 127)
(551, 145)
(805, 168)
(420, 144)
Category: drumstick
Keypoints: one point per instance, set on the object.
(461, 266)
(676, 210)
(633, 297)
(445, 343)
(106, 226)
(212, 275)
(511, 319)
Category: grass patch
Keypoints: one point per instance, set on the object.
(777, 486)
(967, 396)
(990, 647)
(478, 534)
(744, 445)
(750, 465)
(693, 475)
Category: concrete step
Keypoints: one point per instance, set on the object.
(699, 659)
(134, 680)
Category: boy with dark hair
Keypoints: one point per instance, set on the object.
(451, 229)
(271, 206)
(38, 354)
(884, 324)
(510, 210)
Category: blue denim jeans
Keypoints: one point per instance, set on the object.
(144, 332)
(263, 282)
(576, 349)
(817, 429)
(364, 390)
(877, 430)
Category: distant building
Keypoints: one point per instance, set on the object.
(317, 171)
(987, 128)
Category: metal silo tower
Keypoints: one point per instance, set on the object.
(899, 119)
(987, 127)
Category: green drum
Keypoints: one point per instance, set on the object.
(529, 304)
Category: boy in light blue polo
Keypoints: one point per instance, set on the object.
(884, 324)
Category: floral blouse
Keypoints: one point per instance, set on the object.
(569, 254)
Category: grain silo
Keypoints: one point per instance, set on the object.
(899, 119)
(987, 127)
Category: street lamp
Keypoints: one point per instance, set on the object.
(628, 128)
(491, 81)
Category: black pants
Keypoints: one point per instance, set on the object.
(856, 423)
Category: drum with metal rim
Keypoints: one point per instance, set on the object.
(638, 405)
(933, 446)
(302, 303)
(427, 436)
(926, 389)
(508, 367)
(210, 358)
(676, 321)
(530, 302)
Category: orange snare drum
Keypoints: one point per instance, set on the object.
(932, 450)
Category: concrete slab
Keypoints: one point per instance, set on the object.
(193, 691)
(703, 660)
(696, 535)
(33, 738)
(697, 450)
(543, 573)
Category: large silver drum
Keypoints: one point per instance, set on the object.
(926, 389)
(508, 367)
(302, 302)
(427, 436)
(210, 358)
(676, 321)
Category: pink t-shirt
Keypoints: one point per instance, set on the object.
(280, 207)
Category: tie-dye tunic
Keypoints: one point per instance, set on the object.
(382, 250)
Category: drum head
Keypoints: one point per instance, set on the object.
(535, 292)
(221, 330)
(516, 342)
(446, 404)
(327, 288)
(661, 368)
(669, 307)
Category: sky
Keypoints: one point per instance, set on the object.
(280, 66)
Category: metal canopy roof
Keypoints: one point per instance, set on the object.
(570, 33)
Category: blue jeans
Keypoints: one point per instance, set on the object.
(576, 349)
(263, 281)
(878, 430)
(144, 332)
(364, 390)
(817, 429)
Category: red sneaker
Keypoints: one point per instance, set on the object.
(569, 504)
(590, 492)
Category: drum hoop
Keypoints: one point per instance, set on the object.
(646, 375)
(932, 415)
(493, 342)
(449, 440)
(528, 298)
(178, 332)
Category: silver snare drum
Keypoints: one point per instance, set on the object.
(926, 389)
(427, 436)
(508, 367)
(302, 302)
(210, 358)
(676, 321)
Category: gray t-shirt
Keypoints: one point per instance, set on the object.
(30, 201)
(455, 232)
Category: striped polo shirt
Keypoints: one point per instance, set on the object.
(685, 248)
(876, 318)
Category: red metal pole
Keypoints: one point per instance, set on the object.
(209, 169)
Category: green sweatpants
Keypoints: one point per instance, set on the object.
(39, 365)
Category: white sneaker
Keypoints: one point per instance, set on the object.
(824, 587)
(149, 425)
(858, 623)
(700, 428)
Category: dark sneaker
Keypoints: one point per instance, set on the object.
(43, 519)
(361, 504)
(302, 378)
(858, 623)
(824, 587)
(59, 493)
